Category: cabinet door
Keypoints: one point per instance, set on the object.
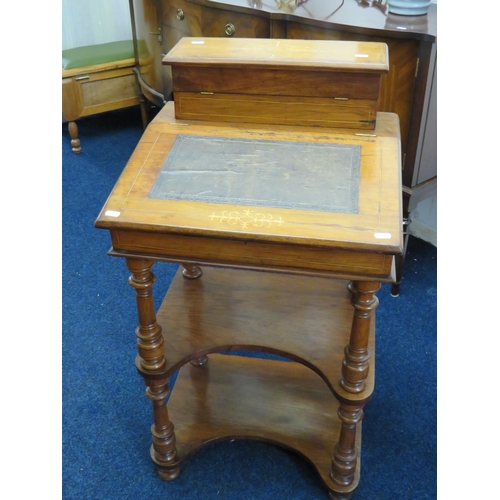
(396, 92)
(148, 33)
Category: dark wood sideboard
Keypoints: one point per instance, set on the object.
(409, 89)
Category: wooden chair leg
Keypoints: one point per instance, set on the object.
(75, 142)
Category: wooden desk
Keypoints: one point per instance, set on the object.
(409, 88)
(293, 281)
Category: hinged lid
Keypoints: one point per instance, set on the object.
(308, 55)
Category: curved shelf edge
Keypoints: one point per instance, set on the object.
(302, 318)
(336, 391)
(235, 397)
(323, 476)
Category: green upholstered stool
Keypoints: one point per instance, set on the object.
(95, 79)
(90, 55)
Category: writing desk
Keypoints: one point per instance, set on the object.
(281, 253)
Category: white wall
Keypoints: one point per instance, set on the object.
(424, 220)
(89, 22)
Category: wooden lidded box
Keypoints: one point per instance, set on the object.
(325, 83)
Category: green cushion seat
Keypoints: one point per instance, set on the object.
(89, 55)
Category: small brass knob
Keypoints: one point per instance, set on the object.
(180, 14)
(230, 29)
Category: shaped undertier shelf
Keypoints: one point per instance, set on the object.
(304, 319)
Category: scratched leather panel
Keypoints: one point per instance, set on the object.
(281, 174)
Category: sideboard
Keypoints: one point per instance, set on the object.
(408, 89)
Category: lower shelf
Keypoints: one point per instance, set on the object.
(303, 318)
(280, 402)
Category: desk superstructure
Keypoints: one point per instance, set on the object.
(284, 233)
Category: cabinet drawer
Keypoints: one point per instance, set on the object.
(182, 16)
(222, 23)
(278, 110)
(198, 20)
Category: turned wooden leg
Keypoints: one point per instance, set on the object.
(149, 336)
(355, 365)
(345, 454)
(191, 271)
(163, 449)
(151, 356)
(75, 142)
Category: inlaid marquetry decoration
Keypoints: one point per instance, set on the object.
(246, 218)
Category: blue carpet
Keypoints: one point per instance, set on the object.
(106, 415)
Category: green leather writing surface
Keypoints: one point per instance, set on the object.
(286, 174)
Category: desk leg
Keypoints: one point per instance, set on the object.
(345, 454)
(356, 354)
(191, 271)
(152, 359)
(163, 450)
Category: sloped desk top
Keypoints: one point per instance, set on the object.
(245, 210)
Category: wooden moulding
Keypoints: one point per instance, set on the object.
(232, 310)
(271, 256)
(284, 403)
(290, 82)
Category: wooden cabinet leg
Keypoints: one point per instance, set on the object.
(355, 365)
(150, 347)
(345, 455)
(75, 142)
(144, 112)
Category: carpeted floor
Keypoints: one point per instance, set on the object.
(107, 417)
